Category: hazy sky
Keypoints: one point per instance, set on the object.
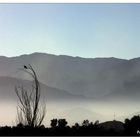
(86, 30)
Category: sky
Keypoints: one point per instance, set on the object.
(85, 30)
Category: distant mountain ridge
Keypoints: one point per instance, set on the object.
(89, 77)
(75, 88)
(8, 84)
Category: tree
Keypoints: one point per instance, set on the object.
(30, 112)
(96, 122)
(85, 123)
(76, 126)
(62, 123)
(132, 125)
(53, 123)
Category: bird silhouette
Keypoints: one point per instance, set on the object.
(25, 67)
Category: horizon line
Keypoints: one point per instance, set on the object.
(45, 53)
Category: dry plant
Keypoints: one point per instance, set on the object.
(29, 111)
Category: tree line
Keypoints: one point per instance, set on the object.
(60, 127)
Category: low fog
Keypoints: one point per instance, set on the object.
(74, 111)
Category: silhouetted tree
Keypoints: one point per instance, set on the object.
(132, 126)
(76, 125)
(54, 123)
(29, 110)
(96, 122)
(62, 123)
(20, 125)
(85, 123)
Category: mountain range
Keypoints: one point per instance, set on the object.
(89, 77)
(81, 82)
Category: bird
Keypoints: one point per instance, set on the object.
(25, 67)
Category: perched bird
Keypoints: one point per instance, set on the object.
(25, 67)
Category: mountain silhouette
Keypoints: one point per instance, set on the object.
(93, 84)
